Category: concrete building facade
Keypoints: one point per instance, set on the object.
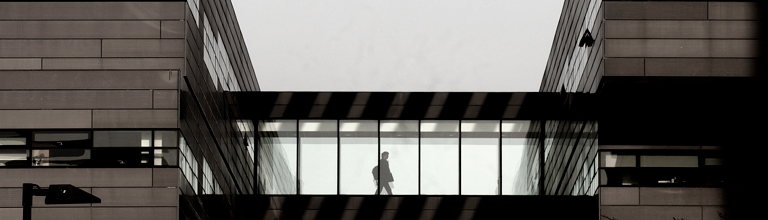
(126, 101)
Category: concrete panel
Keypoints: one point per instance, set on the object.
(143, 213)
(44, 119)
(44, 80)
(61, 213)
(619, 196)
(113, 63)
(712, 196)
(680, 29)
(135, 119)
(11, 197)
(166, 99)
(700, 67)
(81, 177)
(11, 213)
(20, 64)
(121, 177)
(715, 213)
(50, 48)
(76, 99)
(137, 196)
(669, 196)
(655, 10)
(734, 11)
(79, 29)
(165, 177)
(172, 29)
(680, 48)
(143, 48)
(44, 177)
(624, 67)
(651, 212)
(91, 10)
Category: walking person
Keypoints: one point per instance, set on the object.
(383, 177)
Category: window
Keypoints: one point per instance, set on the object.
(440, 157)
(480, 157)
(13, 157)
(359, 145)
(122, 138)
(318, 157)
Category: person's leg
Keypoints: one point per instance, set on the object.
(389, 190)
(378, 190)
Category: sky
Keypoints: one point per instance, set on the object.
(399, 45)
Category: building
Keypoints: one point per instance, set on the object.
(153, 106)
(676, 85)
(126, 101)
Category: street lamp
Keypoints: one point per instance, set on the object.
(55, 194)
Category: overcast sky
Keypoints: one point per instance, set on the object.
(399, 45)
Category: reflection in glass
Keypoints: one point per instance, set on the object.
(188, 163)
(166, 157)
(614, 160)
(480, 157)
(519, 158)
(401, 140)
(359, 146)
(62, 139)
(618, 177)
(13, 157)
(440, 157)
(12, 138)
(669, 161)
(9, 141)
(277, 157)
(121, 157)
(710, 161)
(318, 156)
(122, 138)
(165, 138)
(60, 157)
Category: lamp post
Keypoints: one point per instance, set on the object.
(55, 194)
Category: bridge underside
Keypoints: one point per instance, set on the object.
(404, 207)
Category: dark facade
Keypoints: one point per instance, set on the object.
(125, 100)
(676, 84)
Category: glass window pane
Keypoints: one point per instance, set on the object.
(60, 157)
(519, 157)
(614, 160)
(277, 156)
(440, 157)
(669, 161)
(166, 157)
(62, 139)
(121, 157)
(400, 139)
(359, 146)
(711, 161)
(318, 157)
(618, 177)
(13, 138)
(165, 139)
(13, 157)
(480, 157)
(122, 138)
(11, 141)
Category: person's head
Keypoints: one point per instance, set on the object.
(384, 155)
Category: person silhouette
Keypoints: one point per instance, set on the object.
(385, 176)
